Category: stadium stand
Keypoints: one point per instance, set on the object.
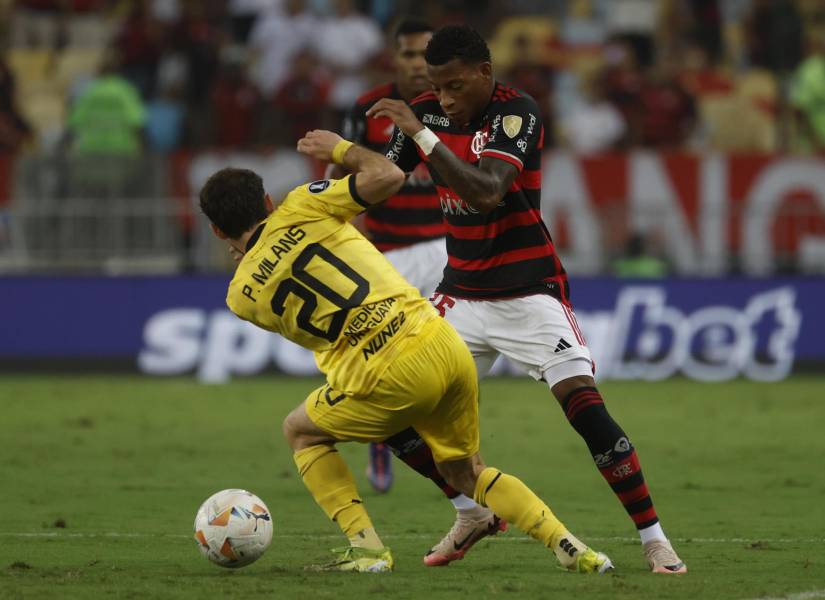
(247, 78)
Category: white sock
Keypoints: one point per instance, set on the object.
(462, 502)
(654, 532)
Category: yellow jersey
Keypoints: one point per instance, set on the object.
(312, 277)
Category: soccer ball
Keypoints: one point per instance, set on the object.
(233, 528)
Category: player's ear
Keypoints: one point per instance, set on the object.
(486, 69)
(268, 204)
(218, 233)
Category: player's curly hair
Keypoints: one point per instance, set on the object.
(457, 41)
(233, 199)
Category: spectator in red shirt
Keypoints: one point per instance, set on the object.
(302, 98)
(138, 43)
(667, 111)
(623, 81)
(199, 38)
(235, 104)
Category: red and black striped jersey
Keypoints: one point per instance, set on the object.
(507, 252)
(414, 214)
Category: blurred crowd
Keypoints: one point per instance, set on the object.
(121, 77)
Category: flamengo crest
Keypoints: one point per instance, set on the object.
(479, 141)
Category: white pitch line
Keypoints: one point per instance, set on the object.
(419, 536)
(800, 596)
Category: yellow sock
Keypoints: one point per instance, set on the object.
(331, 483)
(366, 538)
(513, 501)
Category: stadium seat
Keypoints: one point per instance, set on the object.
(44, 105)
(540, 31)
(744, 120)
(75, 65)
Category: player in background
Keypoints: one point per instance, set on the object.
(504, 288)
(409, 227)
(389, 360)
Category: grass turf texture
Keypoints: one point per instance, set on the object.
(102, 478)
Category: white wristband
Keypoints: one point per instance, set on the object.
(426, 140)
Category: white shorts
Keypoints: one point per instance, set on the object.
(537, 333)
(421, 264)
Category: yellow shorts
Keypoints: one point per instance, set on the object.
(431, 386)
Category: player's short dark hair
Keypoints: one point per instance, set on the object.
(457, 41)
(411, 26)
(233, 199)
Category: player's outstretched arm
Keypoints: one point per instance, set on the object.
(376, 177)
(482, 188)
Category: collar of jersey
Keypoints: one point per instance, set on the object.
(255, 236)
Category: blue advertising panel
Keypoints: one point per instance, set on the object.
(705, 329)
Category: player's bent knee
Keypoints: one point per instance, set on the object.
(563, 388)
(300, 432)
(290, 432)
(295, 432)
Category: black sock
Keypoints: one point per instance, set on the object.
(410, 448)
(612, 452)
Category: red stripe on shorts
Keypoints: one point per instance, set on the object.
(571, 318)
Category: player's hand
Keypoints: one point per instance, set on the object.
(319, 143)
(400, 114)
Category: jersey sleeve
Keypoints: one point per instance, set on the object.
(515, 131)
(402, 150)
(327, 197)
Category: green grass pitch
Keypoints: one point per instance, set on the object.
(101, 478)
